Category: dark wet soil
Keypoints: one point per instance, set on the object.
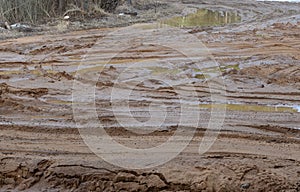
(257, 149)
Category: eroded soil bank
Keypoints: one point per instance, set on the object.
(257, 149)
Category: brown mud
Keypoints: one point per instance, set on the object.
(257, 149)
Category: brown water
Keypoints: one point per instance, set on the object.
(253, 108)
(204, 17)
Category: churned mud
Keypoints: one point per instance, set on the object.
(258, 73)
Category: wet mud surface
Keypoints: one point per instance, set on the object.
(258, 73)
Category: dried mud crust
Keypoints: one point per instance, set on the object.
(222, 172)
(31, 163)
(214, 172)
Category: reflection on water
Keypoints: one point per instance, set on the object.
(297, 107)
(254, 108)
(204, 17)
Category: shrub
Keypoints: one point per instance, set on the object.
(36, 11)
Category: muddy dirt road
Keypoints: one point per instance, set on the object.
(257, 77)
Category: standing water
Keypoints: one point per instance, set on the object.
(204, 17)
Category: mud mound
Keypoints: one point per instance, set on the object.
(57, 76)
(286, 26)
(7, 89)
(4, 77)
(24, 176)
(50, 175)
(277, 74)
(244, 177)
(11, 104)
(60, 76)
(57, 47)
(8, 104)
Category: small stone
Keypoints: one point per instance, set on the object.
(245, 186)
(92, 188)
(39, 174)
(25, 173)
(27, 183)
(153, 181)
(124, 177)
(198, 186)
(22, 187)
(9, 181)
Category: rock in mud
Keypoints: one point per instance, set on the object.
(245, 186)
(153, 181)
(124, 177)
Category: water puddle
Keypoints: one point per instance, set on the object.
(60, 102)
(210, 71)
(163, 70)
(224, 68)
(11, 72)
(48, 117)
(254, 108)
(204, 17)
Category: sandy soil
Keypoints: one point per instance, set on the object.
(256, 150)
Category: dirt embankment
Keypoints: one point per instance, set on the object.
(49, 166)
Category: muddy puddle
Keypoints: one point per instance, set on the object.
(254, 108)
(204, 17)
